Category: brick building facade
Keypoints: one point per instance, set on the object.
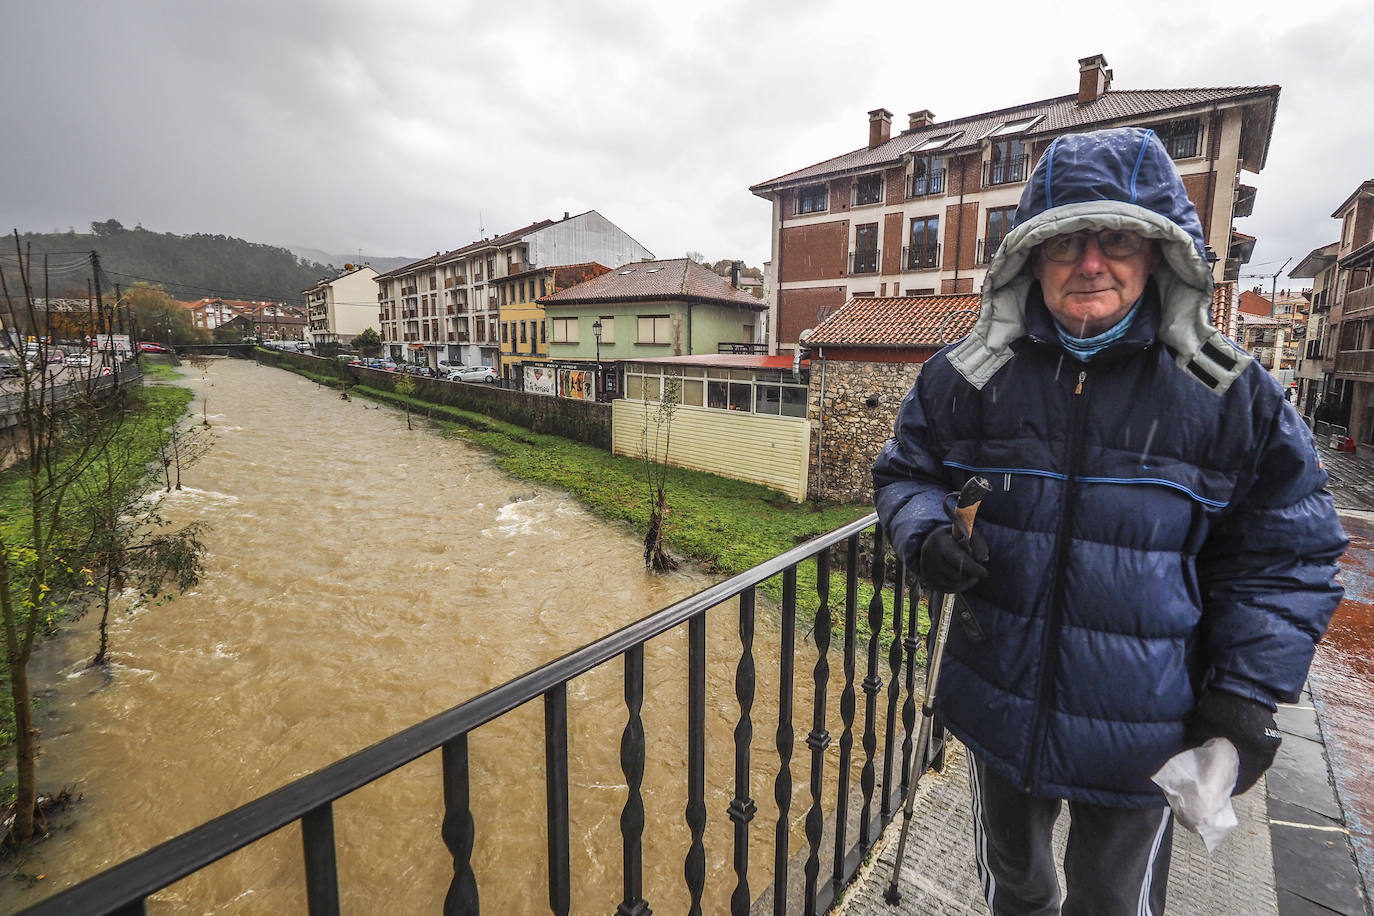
(923, 212)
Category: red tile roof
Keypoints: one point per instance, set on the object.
(898, 321)
(678, 278)
(1060, 115)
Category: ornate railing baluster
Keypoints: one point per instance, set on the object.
(742, 807)
(556, 791)
(458, 829)
(632, 765)
(872, 684)
(847, 706)
(782, 784)
(321, 872)
(911, 643)
(818, 739)
(694, 868)
(894, 682)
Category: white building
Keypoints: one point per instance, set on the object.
(448, 306)
(342, 308)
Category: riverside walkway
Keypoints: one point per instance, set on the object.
(1291, 854)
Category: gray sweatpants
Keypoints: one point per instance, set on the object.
(1116, 863)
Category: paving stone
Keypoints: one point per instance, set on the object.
(1293, 905)
(1299, 720)
(1316, 865)
(1299, 776)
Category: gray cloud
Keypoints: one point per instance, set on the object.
(403, 128)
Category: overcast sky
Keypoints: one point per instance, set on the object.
(402, 128)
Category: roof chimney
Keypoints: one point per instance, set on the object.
(879, 127)
(919, 119)
(734, 274)
(1094, 78)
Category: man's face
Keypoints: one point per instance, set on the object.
(1091, 292)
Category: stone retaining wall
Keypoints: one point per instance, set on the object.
(582, 421)
(860, 405)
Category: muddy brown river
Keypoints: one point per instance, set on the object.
(362, 577)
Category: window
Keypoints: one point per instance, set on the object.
(655, 329)
(523, 338)
(607, 328)
(927, 176)
(543, 333)
(564, 330)
(999, 224)
(924, 252)
(868, 190)
(1008, 162)
(921, 291)
(542, 288)
(811, 199)
(1019, 126)
(503, 293)
(864, 260)
(1180, 137)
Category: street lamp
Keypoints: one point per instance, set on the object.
(596, 332)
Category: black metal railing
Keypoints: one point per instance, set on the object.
(921, 257)
(925, 185)
(865, 260)
(987, 249)
(1005, 171)
(124, 888)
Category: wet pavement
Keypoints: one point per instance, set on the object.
(1304, 843)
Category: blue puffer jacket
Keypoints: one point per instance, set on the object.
(1158, 523)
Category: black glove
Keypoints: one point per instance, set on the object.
(952, 566)
(1245, 723)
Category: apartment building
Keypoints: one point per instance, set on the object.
(1319, 266)
(448, 306)
(922, 213)
(524, 333)
(1348, 355)
(342, 308)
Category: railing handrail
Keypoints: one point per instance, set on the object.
(134, 879)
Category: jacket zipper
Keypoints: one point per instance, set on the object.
(1049, 651)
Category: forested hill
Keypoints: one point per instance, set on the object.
(187, 266)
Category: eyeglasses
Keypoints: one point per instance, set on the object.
(1115, 244)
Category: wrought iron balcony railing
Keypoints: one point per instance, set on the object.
(1005, 171)
(865, 261)
(987, 248)
(864, 811)
(926, 185)
(921, 257)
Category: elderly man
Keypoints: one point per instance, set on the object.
(1155, 561)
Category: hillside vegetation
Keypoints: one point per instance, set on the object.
(188, 267)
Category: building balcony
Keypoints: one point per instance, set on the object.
(865, 261)
(1005, 171)
(987, 249)
(1355, 362)
(920, 257)
(1359, 303)
(925, 185)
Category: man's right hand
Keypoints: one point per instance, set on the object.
(952, 566)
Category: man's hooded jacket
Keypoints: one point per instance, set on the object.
(1158, 523)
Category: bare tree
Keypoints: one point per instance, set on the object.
(656, 557)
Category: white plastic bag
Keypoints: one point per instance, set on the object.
(1198, 783)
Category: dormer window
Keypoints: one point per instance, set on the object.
(868, 189)
(1018, 126)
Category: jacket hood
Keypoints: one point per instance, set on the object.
(1118, 179)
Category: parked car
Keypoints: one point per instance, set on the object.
(80, 360)
(147, 346)
(7, 368)
(473, 374)
(387, 365)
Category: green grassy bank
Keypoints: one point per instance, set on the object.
(151, 410)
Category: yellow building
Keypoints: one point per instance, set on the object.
(524, 333)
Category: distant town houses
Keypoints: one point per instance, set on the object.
(923, 212)
(342, 307)
(1336, 370)
(263, 319)
(448, 307)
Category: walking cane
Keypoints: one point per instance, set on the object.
(965, 508)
